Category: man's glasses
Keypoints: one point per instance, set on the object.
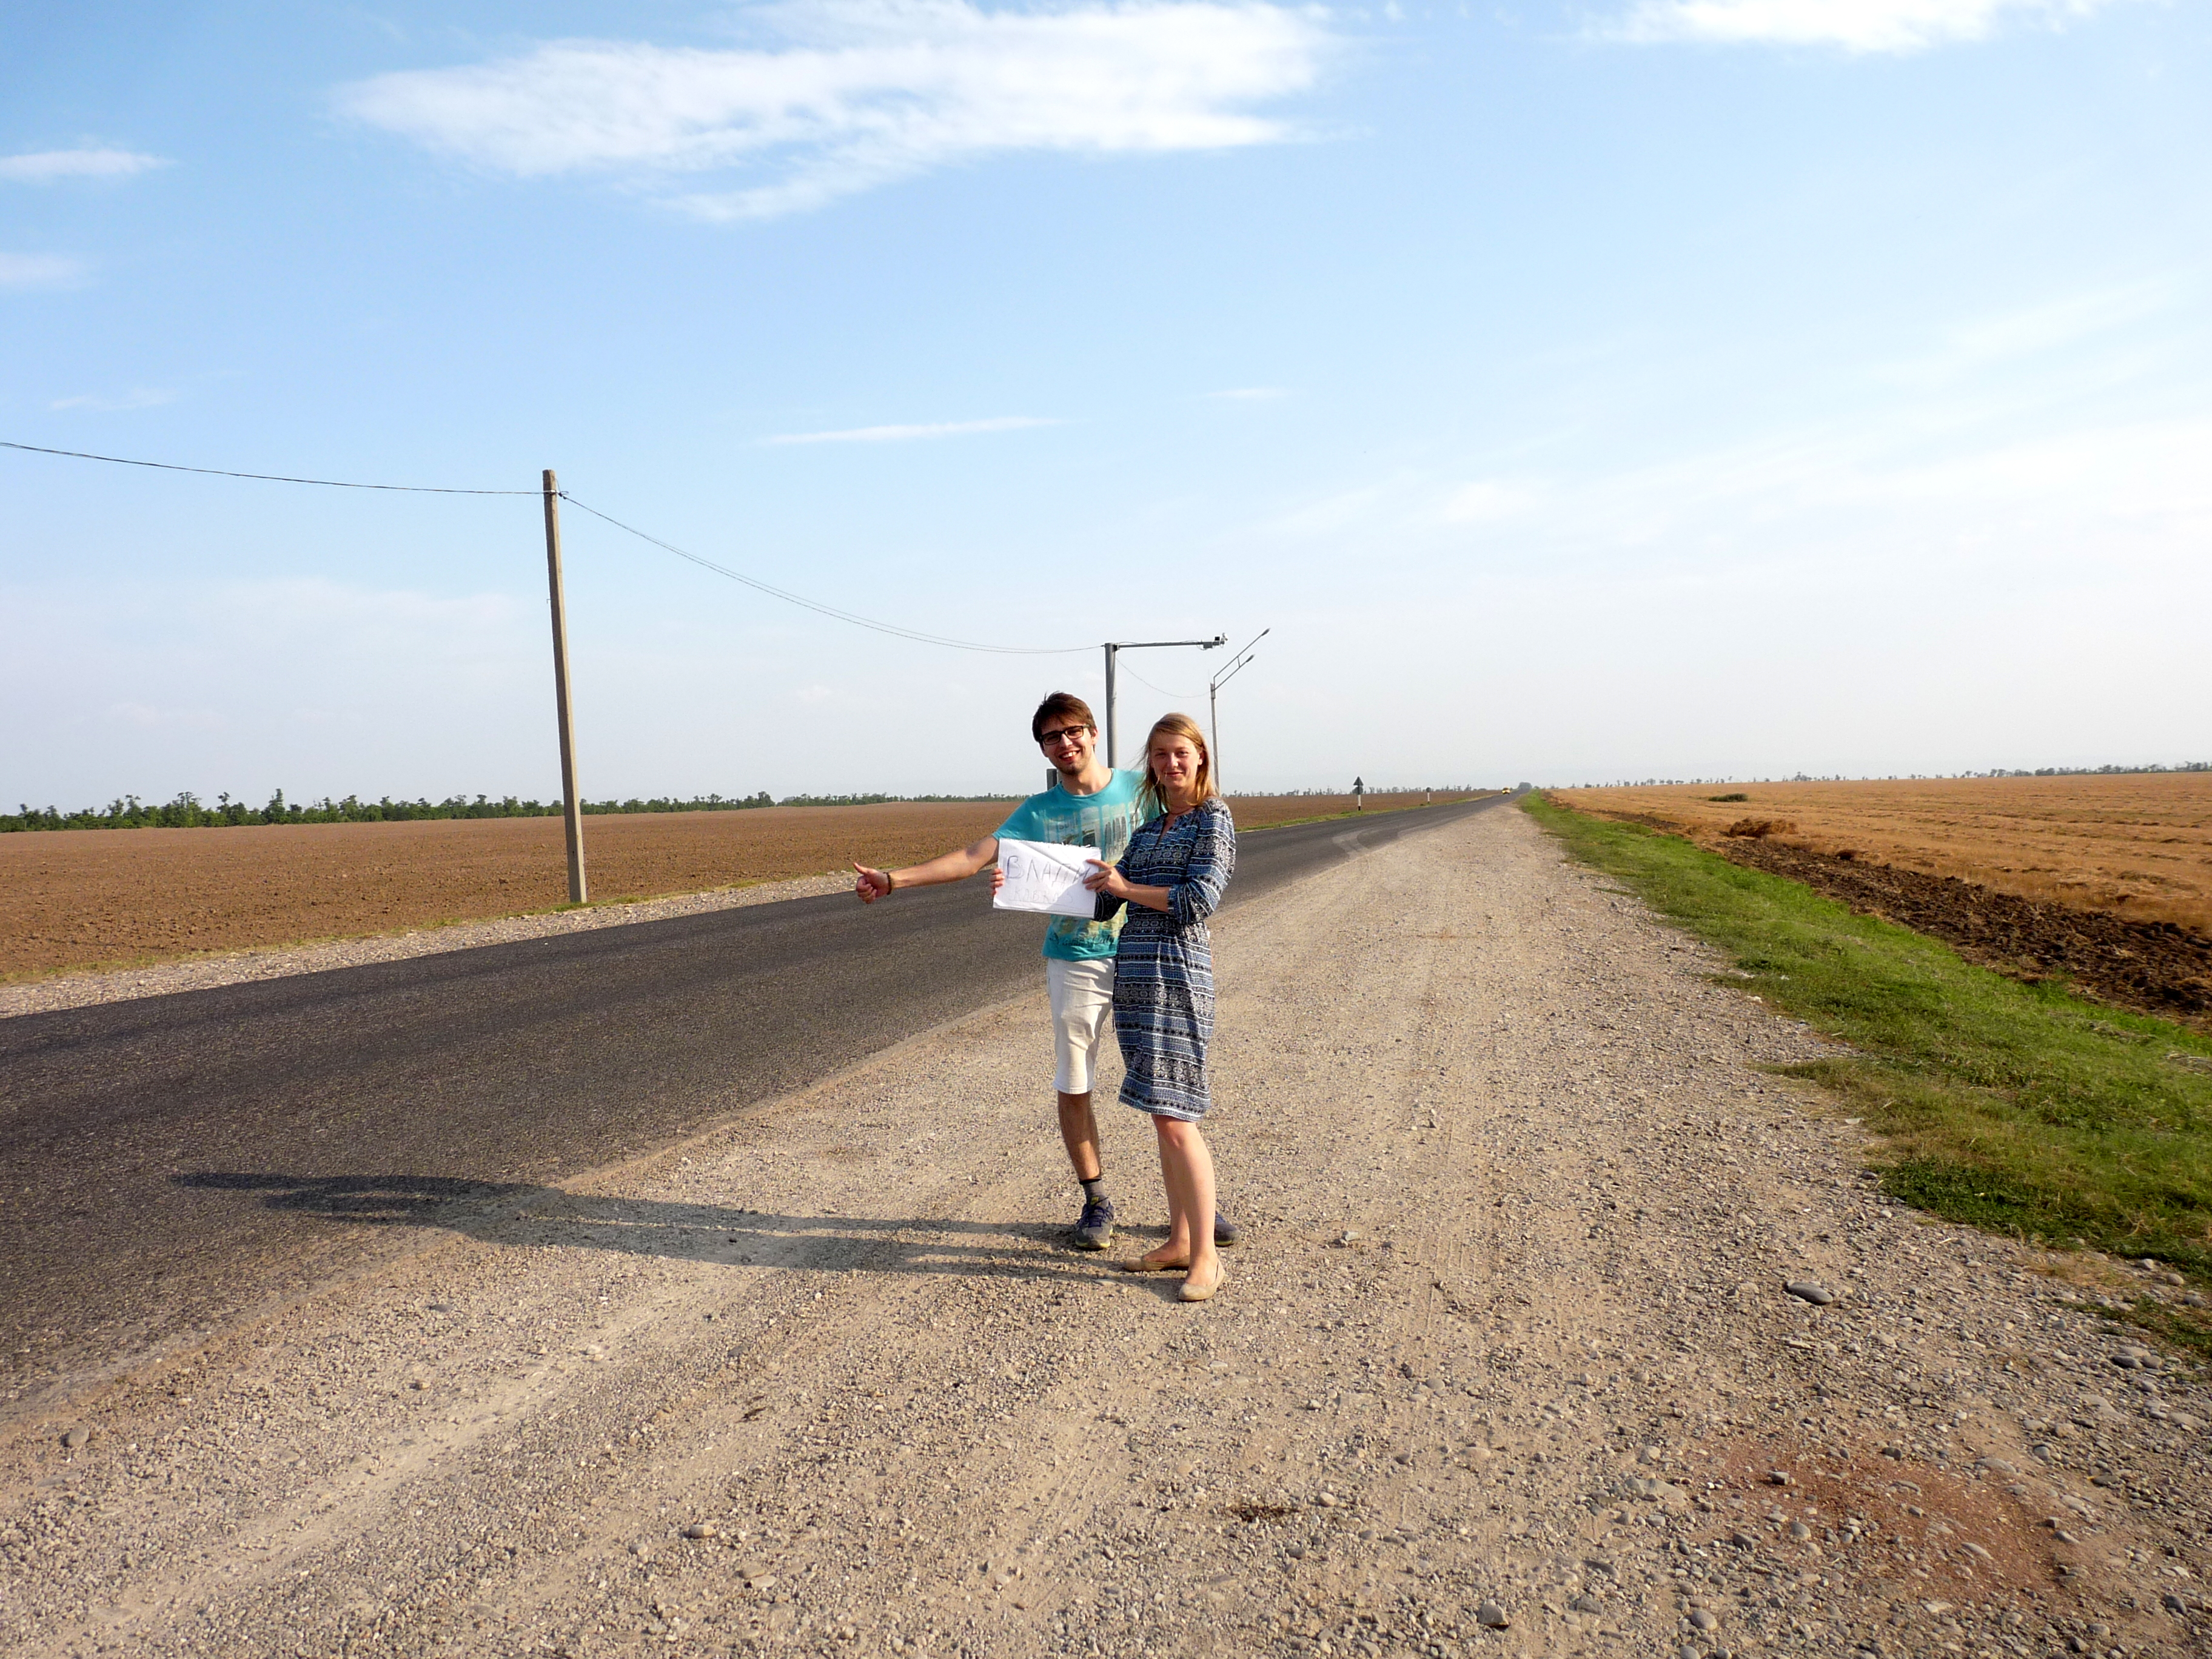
(1063, 735)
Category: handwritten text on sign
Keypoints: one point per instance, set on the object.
(1042, 875)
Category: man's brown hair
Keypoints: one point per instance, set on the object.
(1060, 707)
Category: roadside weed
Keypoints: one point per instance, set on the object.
(2019, 1108)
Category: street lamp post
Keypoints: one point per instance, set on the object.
(1114, 648)
(1212, 701)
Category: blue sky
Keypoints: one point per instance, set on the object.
(1643, 387)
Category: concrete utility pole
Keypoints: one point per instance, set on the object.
(571, 807)
(1212, 703)
(1113, 649)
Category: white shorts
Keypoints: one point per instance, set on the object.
(1082, 1009)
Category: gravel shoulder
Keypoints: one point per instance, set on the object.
(1509, 1341)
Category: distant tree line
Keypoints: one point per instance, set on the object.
(1915, 777)
(2093, 771)
(188, 811)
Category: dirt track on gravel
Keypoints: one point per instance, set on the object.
(1510, 1328)
(79, 898)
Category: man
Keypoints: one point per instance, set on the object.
(1090, 805)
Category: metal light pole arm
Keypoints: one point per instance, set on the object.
(1113, 648)
(1214, 699)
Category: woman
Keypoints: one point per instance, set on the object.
(1171, 878)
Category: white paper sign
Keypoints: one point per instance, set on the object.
(1044, 875)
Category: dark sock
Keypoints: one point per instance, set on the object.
(1095, 1189)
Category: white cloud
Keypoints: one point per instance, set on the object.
(1870, 490)
(859, 93)
(38, 270)
(1862, 26)
(2033, 332)
(376, 619)
(886, 435)
(1361, 506)
(150, 717)
(1486, 502)
(210, 684)
(142, 397)
(43, 167)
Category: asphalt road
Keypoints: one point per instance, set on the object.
(145, 1147)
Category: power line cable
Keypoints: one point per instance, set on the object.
(266, 477)
(789, 598)
(1162, 690)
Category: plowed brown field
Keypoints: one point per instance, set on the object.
(2139, 846)
(77, 898)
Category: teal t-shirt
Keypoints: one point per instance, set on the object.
(1105, 820)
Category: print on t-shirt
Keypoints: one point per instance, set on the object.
(1105, 820)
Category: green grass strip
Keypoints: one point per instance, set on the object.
(2015, 1108)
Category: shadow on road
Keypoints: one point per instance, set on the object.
(525, 1213)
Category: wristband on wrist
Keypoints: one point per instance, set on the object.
(891, 883)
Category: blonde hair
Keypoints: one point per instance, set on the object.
(1150, 798)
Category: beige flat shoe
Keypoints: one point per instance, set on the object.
(1191, 1292)
(1138, 1264)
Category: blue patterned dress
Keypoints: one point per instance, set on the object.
(1163, 971)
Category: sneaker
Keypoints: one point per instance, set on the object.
(1094, 1229)
(1225, 1231)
